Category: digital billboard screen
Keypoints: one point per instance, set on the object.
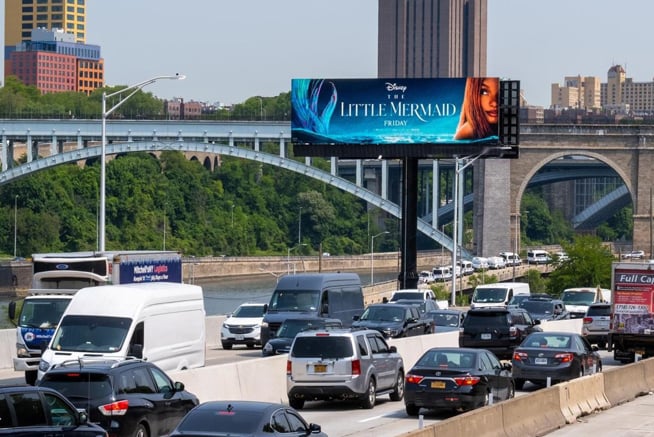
(394, 117)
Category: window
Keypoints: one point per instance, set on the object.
(60, 413)
(363, 348)
(28, 408)
(161, 380)
(5, 414)
(279, 422)
(296, 423)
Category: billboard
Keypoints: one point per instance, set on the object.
(395, 118)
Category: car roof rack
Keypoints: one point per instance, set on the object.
(83, 361)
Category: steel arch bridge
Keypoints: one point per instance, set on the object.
(189, 148)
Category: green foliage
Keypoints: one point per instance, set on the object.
(589, 265)
(480, 278)
(537, 283)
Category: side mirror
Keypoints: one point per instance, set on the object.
(136, 350)
(355, 318)
(265, 308)
(537, 322)
(11, 310)
(393, 349)
(178, 386)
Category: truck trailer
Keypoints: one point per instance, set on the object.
(631, 331)
(56, 277)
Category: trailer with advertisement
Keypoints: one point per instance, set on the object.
(631, 332)
(56, 277)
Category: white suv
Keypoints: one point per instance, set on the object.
(243, 326)
(343, 364)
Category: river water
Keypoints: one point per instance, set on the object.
(223, 296)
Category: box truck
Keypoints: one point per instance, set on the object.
(57, 276)
(631, 329)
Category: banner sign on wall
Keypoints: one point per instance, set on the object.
(402, 113)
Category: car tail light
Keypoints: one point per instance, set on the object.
(564, 358)
(356, 367)
(414, 379)
(520, 356)
(289, 367)
(118, 408)
(588, 320)
(467, 380)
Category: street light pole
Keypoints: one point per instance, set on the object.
(372, 256)
(288, 257)
(15, 223)
(103, 159)
(299, 227)
(233, 214)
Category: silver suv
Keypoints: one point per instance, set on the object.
(343, 364)
(596, 324)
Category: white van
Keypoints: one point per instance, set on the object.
(161, 322)
(537, 256)
(498, 294)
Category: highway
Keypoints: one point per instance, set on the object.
(387, 419)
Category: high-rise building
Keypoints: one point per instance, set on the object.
(432, 38)
(21, 16)
(45, 46)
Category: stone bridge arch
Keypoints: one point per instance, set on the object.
(630, 156)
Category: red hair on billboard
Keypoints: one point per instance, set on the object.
(480, 109)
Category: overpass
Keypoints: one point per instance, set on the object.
(623, 151)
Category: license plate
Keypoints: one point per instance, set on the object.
(319, 368)
(540, 360)
(438, 384)
(240, 337)
(486, 336)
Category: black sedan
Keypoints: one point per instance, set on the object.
(244, 418)
(456, 379)
(560, 356)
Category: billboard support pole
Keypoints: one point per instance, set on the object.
(409, 225)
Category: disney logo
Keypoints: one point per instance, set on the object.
(395, 87)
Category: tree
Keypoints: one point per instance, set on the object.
(589, 265)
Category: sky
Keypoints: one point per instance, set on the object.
(231, 50)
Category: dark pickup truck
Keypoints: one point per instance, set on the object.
(394, 320)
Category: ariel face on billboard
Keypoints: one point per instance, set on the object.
(395, 111)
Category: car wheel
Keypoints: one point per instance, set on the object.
(486, 400)
(298, 404)
(370, 396)
(412, 409)
(227, 346)
(398, 391)
(519, 383)
(140, 431)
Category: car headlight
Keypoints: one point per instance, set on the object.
(44, 366)
(21, 351)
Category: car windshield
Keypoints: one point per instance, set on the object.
(445, 319)
(249, 311)
(226, 422)
(578, 297)
(324, 347)
(537, 307)
(79, 386)
(407, 295)
(91, 334)
(42, 313)
(383, 313)
(484, 319)
(294, 300)
(489, 295)
(518, 299)
(290, 328)
(552, 341)
(448, 358)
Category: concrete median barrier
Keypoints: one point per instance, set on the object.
(483, 422)
(648, 370)
(534, 414)
(582, 396)
(625, 383)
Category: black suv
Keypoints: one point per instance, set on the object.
(500, 330)
(127, 398)
(281, 342)
(41, 411)
(394, 320)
